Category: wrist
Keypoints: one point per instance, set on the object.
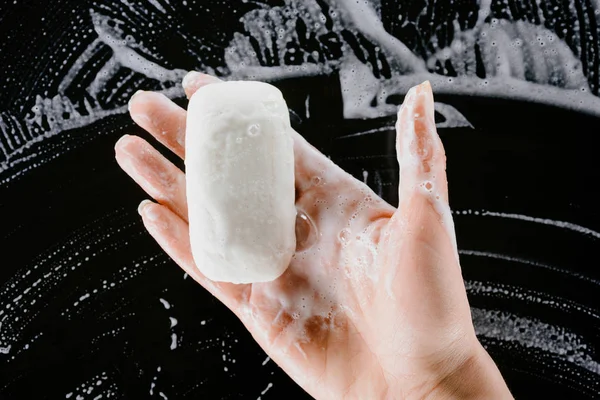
(477, 377)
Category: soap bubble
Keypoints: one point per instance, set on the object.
(254, 130)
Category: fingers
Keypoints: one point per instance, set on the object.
(172, 234)
(195, 80)
(162, 180)
(423, 183)
(420, 151)
(162, 118)
(420, 263)
(422, 237)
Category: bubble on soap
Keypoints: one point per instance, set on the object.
(254, 130)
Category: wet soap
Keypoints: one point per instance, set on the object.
(240, 182)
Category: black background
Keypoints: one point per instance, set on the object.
(69, 208)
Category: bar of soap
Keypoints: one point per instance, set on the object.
(240, 182)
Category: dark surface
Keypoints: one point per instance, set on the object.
(68, 217)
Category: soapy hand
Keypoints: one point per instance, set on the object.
(373, 304)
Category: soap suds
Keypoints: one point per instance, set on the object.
(269, 386)
(50, 115)
(504, 257)
(545, 221)
(531, 333)
(165, 303)
(100, 386)
(550, 71)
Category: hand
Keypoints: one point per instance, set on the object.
(373, 304)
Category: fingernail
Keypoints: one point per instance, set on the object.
(121, 139)
(426, 91)
(131, 99)
(195, 79)
(409, 97)
(190, 78)
(143, 205)
(411, 93)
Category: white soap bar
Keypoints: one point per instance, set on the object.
(240, 182)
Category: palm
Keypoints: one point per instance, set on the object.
(373, 297)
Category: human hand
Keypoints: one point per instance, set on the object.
(373, 304)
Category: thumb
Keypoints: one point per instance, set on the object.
(421, 256)
(420, 151)
(422, 159)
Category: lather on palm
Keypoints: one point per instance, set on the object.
(373, 304)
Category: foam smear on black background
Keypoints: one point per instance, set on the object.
(91, 308)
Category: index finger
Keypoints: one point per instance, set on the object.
(162, 118)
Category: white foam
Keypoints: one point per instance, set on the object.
(94, 384)
(158, 6)
(528, 296)
(452, 117)
(19, 295)
(505, 257)
(544, 221)
(165, 303)
(532, 333)
(52, 109)
(269, 386)
(311, 297)
(365, 20)
(173, 341)
(128, 57)
(274, 28)
(498, 39)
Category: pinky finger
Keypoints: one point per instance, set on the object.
(172, 235)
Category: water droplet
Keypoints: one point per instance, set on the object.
(344, 236)
(238, 140)
(254, 130)
(306, 231)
